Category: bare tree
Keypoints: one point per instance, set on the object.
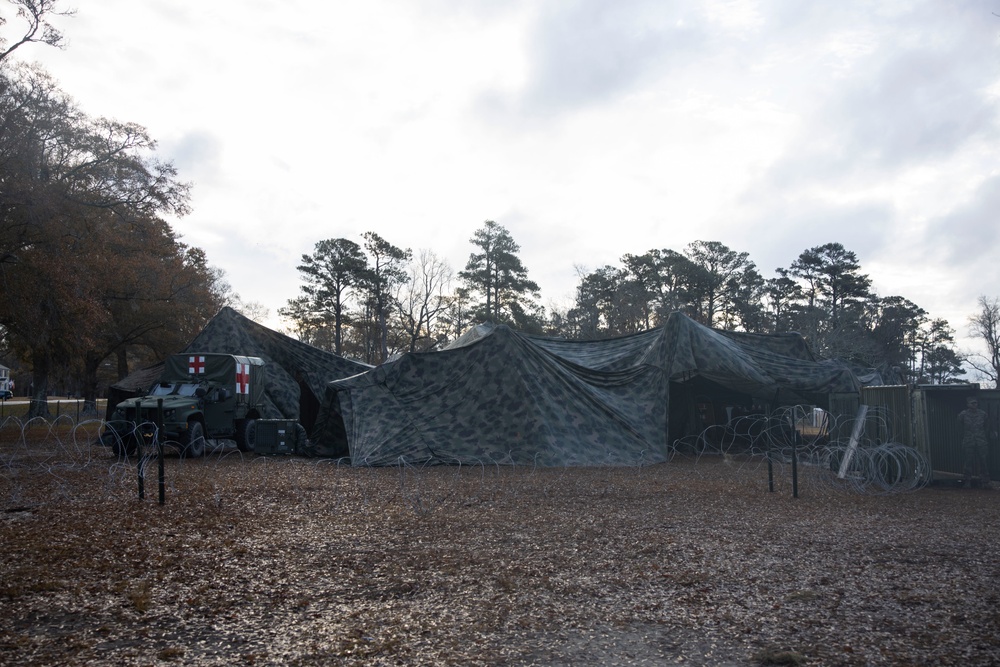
(986, 325)
(34, 17)
(422, 299)
(254, 310)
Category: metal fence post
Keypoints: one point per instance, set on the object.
(138, 452)
(159, 448)
(770, 469)
(795, 464)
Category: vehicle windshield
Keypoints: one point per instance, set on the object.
(174, 388)
(185, 389)
(162, 389)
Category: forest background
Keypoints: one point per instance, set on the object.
(96, 281)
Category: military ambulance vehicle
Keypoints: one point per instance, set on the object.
(205, 396)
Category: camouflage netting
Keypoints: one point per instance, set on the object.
(756, 364)
(498, 396)
(295, 374)
(135, 385)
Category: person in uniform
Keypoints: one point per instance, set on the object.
(973, 423)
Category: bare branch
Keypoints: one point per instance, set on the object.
(34, 14)
(985, 325)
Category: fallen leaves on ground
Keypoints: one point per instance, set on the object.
(285, 561)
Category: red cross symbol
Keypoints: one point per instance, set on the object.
(196, 365)
(242, 378)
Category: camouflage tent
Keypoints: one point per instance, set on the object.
(763, 365)
(499, 396)
(295, 374)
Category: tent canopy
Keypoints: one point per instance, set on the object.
(295, 374)
(499, 396)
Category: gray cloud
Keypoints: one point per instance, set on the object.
(969, 234)
(919, 105)
(593, 52)
(777, 237)
(196, 155)
(914, 98)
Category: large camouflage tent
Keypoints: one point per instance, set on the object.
(497, 396)
(295, 374)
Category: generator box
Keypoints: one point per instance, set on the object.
(277, 436)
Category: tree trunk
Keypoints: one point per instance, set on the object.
(383, 335)
(90, 366)
(39, 404)
(121, 354)
(338, 325)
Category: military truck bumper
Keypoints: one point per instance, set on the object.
(146, 430)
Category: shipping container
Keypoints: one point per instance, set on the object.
(937, 432)
(890, 416)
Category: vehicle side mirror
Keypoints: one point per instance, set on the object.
(200, 392)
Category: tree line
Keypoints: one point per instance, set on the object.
(373, 301)
(822, 294)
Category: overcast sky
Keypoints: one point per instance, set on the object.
(587, 129)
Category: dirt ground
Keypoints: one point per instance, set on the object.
(289, 561)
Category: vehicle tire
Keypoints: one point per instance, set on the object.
(122, 448)
(194, 447)
(246, 435)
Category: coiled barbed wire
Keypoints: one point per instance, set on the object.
(831, 455)
(858, 464)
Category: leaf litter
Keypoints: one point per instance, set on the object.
(283, 561)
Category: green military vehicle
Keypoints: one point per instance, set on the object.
(204, 396)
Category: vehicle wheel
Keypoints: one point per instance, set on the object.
(122, 448)
(246, 435)
(195, 445)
